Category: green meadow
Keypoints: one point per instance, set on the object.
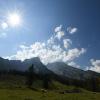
(14, 88)
(27, 94)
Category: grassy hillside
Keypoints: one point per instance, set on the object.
(12, 87)
(27, 94)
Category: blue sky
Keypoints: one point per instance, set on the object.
(40, 18)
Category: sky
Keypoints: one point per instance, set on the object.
(53, 30)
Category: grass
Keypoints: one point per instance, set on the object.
(13, 88)
(27, 94)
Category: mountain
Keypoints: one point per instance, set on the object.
(62, 69)
(57, 69)
(6, 64)
(38, 65)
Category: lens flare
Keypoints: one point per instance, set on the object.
(14, 19)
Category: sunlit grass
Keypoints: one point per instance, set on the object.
(14, 88)
(27, 94)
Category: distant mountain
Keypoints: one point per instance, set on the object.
(60, 68)
(6, 64)
(38, 65)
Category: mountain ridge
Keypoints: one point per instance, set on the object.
(58, 68)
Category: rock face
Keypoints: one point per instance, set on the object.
(38, 65)
(57, 68)
(6, 64)
(62, 69)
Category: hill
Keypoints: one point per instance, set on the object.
(57, 71)
(12, 87)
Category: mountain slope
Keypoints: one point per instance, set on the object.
(56, 68)
(60, 68)
(6, 64)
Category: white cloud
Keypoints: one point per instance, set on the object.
(4, 25)
(58, 28)
(49, 51)
(59, 32)
(72, 30)
(95, 65)
(67, 43)
(51, 40)
(47, 54)
(74, 53)
(73, 64)
(3, 35)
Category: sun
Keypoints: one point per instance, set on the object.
(14, 19)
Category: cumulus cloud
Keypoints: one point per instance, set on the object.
(67, 43)
(59, 32)
(58, 28)
(49, 51)
(47, 54)
(74, 64)
(95, 65)
(74, 53)
(51, 40)
(72, 30)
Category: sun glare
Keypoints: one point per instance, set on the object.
(14, 19)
